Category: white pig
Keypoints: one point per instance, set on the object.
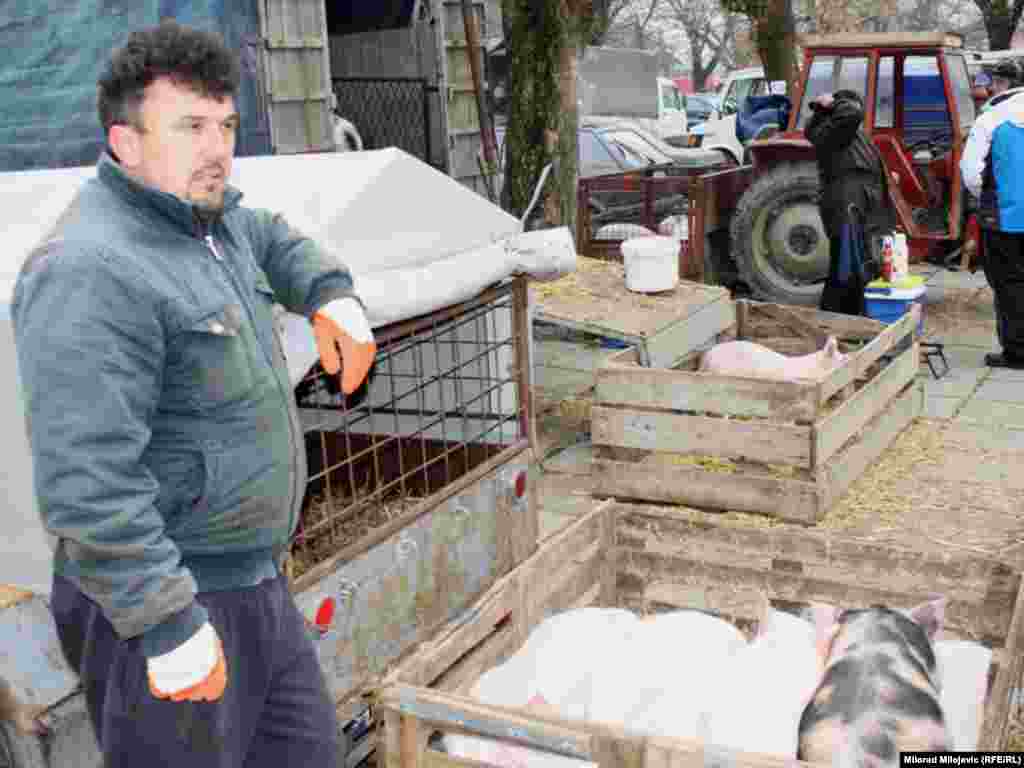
(757, 704)
(551, 673)
(750, 360)
(963, 670)
(673, 661)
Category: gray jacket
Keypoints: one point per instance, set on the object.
(168, 454)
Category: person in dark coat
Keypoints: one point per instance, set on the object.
(854, 204)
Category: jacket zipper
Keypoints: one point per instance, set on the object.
(213, 248)
(207, 237)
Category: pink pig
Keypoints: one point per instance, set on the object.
(750, 360)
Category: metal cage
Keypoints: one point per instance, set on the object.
(447, 395)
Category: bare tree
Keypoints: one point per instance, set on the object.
(710, 33)
(1001, 19)
(604, 16)
(630, 23)
(773, 25)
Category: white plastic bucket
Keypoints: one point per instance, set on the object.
(652, 263)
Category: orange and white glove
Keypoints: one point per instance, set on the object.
(194, 671)
(342, 324)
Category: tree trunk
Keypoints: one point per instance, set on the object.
(775, 36)
(1001, 18)
(999, 30)
(565, 171)
(542, 108)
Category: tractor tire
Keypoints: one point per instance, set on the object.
(778, 239)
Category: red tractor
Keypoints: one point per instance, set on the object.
(758, 226)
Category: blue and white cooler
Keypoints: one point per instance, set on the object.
(889, 301)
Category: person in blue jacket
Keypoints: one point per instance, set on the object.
(992, 166)
(169, 459)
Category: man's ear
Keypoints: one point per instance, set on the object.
(126, 143)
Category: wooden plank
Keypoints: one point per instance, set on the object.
(461, 714)
(594, 298)
(851, 462)
(742, 313)
(859, 362)
(793, 321)
(612, 745)
(609, 560)
(497, 604)
(675, 534)
(702, 435)
(796, 501)
(842, 326)
(675, 341)
(1006, 687)
(389, 735)
(832, 432)
(537, 595)
(988, 619)
(705, 392)
(408, 741)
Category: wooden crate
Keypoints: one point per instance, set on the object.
(594, 299)
(645, 558)
(791, 448)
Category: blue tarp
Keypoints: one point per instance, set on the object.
(53, 51)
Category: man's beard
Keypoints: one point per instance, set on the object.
(213, 199)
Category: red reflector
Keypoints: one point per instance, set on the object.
(520, 485)
(325, 614)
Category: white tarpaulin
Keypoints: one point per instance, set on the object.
(414, 239)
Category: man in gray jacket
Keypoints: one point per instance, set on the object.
(169, 459)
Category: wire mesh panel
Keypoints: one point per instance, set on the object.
(387, 112)
(445, 395)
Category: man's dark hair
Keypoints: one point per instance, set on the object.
(189, 57)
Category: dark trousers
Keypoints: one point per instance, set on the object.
(1004, 270)
(275, 711)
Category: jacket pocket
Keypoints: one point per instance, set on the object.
(208, 363)
(182, 476)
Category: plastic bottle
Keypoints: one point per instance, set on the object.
(887, 260)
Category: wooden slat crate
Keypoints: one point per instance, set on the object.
(594, 299)
(646, 558)
(791, 448)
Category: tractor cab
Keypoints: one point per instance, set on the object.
(919, 109)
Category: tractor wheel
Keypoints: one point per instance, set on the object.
(778, 240)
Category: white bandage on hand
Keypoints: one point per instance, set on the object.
(186, 666)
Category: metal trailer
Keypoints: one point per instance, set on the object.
(417, 502)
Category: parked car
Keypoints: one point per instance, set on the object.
(623, 147)
(630, 134)
(618, 83)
